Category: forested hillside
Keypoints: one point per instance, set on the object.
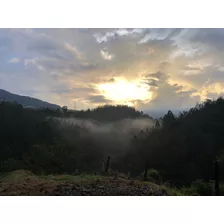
(179, 149)
(26, 101)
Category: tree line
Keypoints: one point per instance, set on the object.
(181, 148)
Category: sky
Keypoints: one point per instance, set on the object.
(150, 69)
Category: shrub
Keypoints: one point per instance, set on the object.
(191, 191)
(203, 188)
(221, 189)
(153, 176)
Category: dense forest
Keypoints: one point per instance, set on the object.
(180, 148)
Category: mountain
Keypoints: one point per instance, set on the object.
(26, 101)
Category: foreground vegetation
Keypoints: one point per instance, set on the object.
(177, 153)
(23, 182)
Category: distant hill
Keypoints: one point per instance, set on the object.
(26, 101)
(108, 113)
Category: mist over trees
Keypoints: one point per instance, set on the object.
(181, 148)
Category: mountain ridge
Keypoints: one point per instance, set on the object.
(26, 101)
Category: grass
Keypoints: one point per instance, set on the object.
(73, 179)
(172, 191)
(16, 176)
(22, 182)
(21, 175)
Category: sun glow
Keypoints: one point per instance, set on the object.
(126, 92)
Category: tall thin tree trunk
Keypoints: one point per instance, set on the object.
(108, 163)
(216, 173)
(216, 178)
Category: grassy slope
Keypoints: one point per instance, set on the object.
(23, 182)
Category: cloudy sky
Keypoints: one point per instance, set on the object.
(151, 69)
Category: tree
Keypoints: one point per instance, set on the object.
(65, 109)
(168, 119)
(157, 125)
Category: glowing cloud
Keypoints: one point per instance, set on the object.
(122, 91)
(106, 55)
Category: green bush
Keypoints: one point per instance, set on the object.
(191, 191)
(221, 189)
(203, 188)
(153, 176)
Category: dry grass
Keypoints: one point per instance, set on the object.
(25, 183)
